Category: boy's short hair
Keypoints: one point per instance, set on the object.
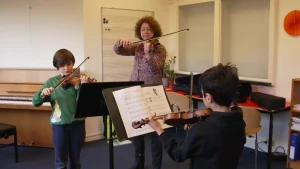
(221, 82)
(62, 57)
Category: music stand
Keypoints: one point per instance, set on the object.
(91, 103)
(117, 119)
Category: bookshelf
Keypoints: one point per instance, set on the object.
(295, 99)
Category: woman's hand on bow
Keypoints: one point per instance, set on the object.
(147, 48)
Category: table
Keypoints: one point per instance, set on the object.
(250, 104)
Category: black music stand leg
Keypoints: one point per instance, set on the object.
(142, 153)
(111, 146)
(195, 103)
(269, 161)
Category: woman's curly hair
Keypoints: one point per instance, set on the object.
(154, 25)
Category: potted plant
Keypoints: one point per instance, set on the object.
(168, 73)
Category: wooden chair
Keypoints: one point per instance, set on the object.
(180, 101)
(252, 118)
(7, 130)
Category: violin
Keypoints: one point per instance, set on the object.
(75, 79)
(177, 118)
(181, 117)
(154, 41)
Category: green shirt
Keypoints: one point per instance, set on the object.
(63, 102)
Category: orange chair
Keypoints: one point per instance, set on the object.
(180, 101)
(252, 118)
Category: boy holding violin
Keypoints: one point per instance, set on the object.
(68, 133)
(216, 142)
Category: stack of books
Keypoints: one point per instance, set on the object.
(296, 107)
(296, 123)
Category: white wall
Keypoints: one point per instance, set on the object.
(236, 30)
(32, 31)
(92, 37)
(196, 45)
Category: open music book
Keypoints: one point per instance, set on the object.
(137, 103)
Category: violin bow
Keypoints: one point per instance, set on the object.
(161, 36)
(191, 93)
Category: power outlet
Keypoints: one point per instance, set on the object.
(266, 142)
(263, 143)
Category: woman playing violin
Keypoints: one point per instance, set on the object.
(149, 59)
(68, 133)
(149, 56)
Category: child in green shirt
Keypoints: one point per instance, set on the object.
(68, 133)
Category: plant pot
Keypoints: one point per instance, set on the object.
(171, 82)
(165, 81)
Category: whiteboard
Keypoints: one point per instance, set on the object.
(120, 25)
(32, 31)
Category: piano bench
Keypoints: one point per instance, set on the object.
(7, 130)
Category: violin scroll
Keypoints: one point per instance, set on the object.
(139, 124)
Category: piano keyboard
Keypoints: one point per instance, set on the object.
(15, 98)
(18, 102)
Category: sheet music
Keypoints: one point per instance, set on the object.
(156, 99)
(137, 103)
